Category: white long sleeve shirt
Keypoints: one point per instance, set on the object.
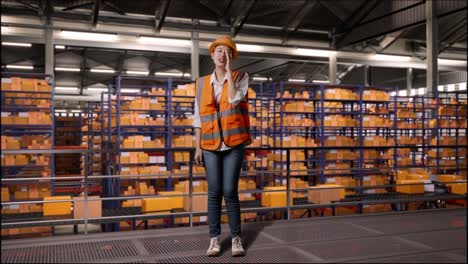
(241, 85)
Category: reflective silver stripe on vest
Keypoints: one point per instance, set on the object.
(208, 118)
(227, 133)
(225, 113)
(199, 90)
(234, 111)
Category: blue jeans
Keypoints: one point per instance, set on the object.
(222, 172)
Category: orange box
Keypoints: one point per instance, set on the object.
(163, 203)
(458, 188)
(59, 208)
(275, 199)
(5, 194)
(410, 189)
(21, 195)
(449, 178)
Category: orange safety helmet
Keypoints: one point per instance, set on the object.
(225, 40)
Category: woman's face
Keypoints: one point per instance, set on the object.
(219, 56)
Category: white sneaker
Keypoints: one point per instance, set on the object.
(214, 249)
(237, 249)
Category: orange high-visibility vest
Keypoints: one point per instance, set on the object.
(221, 122)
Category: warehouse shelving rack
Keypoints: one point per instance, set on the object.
(7, 97)
(115, 129)
(92, 138)
(121, 214)
(414, 106)
(280, 103)
(16, 102)
(358, 109)
(455, 126)
(68, 133)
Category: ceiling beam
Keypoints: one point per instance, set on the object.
(29, 6)
(276, 77)
(389, 39)
(403, 16)
(114, 7)
(346, 27)
(458, 37)
(298, 68)
(337, 13)
(83, 69)
(218, 15)
(317, 69)
(160, 15)
(268, 13)
(297, 19)
(263, 65)
(95, 14)
(240, 20)
(120, 63)
(226, 10)
(68, 8)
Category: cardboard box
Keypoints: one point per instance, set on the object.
(199, 202)
(319, 195)
(94, 207)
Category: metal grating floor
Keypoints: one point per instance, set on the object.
(432, 236)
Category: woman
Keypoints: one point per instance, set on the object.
(222, 125)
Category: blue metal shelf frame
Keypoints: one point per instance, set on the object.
(169, 112)
(447, 96)
(50, 129)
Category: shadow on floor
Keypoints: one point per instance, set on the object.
(250, 232)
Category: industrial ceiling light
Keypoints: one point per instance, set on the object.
(421, 91)
(60, 110)
(451, 87)
(174, 74)
(402, 93)
(66, 88)
(16, 44)
(59, 46)
(462, 86)
(127, 90)
(320, 81)
(75, 111)
(102, 71)
(384, 57)
(97, 89)
(250, 48)
(137, 72)
(313, 52)
(165, 41)
(67, 69)
(187, 75)
(451, 62)
(260, 78)
(296, 80)
(24, 67)
(88, 36)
